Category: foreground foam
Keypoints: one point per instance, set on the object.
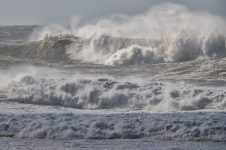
(180, 126)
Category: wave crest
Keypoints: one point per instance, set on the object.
(104, 93)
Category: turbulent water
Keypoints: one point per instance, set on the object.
(123, 77)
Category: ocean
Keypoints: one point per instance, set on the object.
(114, 85)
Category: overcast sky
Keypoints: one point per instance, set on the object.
(60, 11)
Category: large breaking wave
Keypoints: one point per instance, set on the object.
(166, 33)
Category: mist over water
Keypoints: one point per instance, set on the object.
(159, 22)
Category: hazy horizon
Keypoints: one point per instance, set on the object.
(31, 12)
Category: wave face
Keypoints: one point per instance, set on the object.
(166, 33)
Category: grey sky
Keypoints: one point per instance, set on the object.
(60, 11)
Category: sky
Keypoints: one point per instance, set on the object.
(21, 12)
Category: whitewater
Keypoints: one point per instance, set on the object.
(158, 76)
